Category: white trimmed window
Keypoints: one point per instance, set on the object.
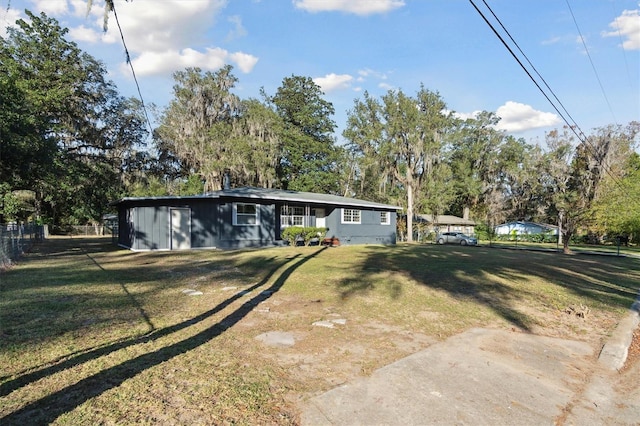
(350, 216)
(385, 218)
(245, 214)
(291, 216)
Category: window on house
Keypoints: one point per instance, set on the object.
(291, 216)
(350, 216)
(385, 218)
(245, 214)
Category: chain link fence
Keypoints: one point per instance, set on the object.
(16, 239)
(82, 230)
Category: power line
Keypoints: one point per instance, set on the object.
(573, 127)
(586, 49)
(624, 54)
(133, 72)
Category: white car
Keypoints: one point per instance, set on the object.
(456, 238)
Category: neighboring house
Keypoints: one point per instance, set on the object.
(523, 227)
(248, 217)
(447, 223)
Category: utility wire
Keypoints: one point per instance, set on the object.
(573, 127)
(133, 72)
(624, 54)
(586, 49)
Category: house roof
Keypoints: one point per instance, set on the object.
(445, 219)
(275, 195)
(526, 223)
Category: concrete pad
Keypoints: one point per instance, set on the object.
(327, 324)
(477, 377)
(277, 338)
(614, 352)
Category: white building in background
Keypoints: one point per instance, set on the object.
(523, 227)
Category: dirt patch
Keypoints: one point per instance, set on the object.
(323, 358)
(633, 357)
(628, 383)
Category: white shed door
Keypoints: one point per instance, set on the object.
(180, 229)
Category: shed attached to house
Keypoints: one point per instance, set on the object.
(248, 217)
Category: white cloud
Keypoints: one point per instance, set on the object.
(357, 7)
(552, 40)
(83, 33)
(161, 37)
(244, 61)
(158, 26)
(517, 117)
(385, 86)
(10, 16)
(52, 7)
(626, 26)
(238, 30)
(367, 72)
(464, 115)
(332, 82)
(157, 63)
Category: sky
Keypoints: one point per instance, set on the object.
(586, 51)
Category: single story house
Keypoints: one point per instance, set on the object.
(524, 227)
(447, 223)
(248, 217)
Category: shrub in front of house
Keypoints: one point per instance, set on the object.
(297, 234)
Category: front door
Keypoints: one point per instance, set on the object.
(320, 219)
(180, 229)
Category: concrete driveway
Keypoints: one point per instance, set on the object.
(483, 377)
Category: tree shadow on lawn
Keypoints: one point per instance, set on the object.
(48, 408)
(62, 288)
(475, 273)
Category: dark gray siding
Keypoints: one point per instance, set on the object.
(205, 224)
(146, 224)
(239, 236)
(368, 231)
(151, 228)
(125, 227)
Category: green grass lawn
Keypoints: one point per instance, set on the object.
(94, 334)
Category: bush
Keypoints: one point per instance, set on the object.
(296, 234)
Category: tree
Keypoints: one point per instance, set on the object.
(518, 175)
(405, 136)
(257, 145)
(574, 178)
(81, 128)
(309, 157)
(616, 208)
(369, 177)
(25, 151)
(475, 147)
(198, 123)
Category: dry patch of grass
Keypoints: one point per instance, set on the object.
(93, 334)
